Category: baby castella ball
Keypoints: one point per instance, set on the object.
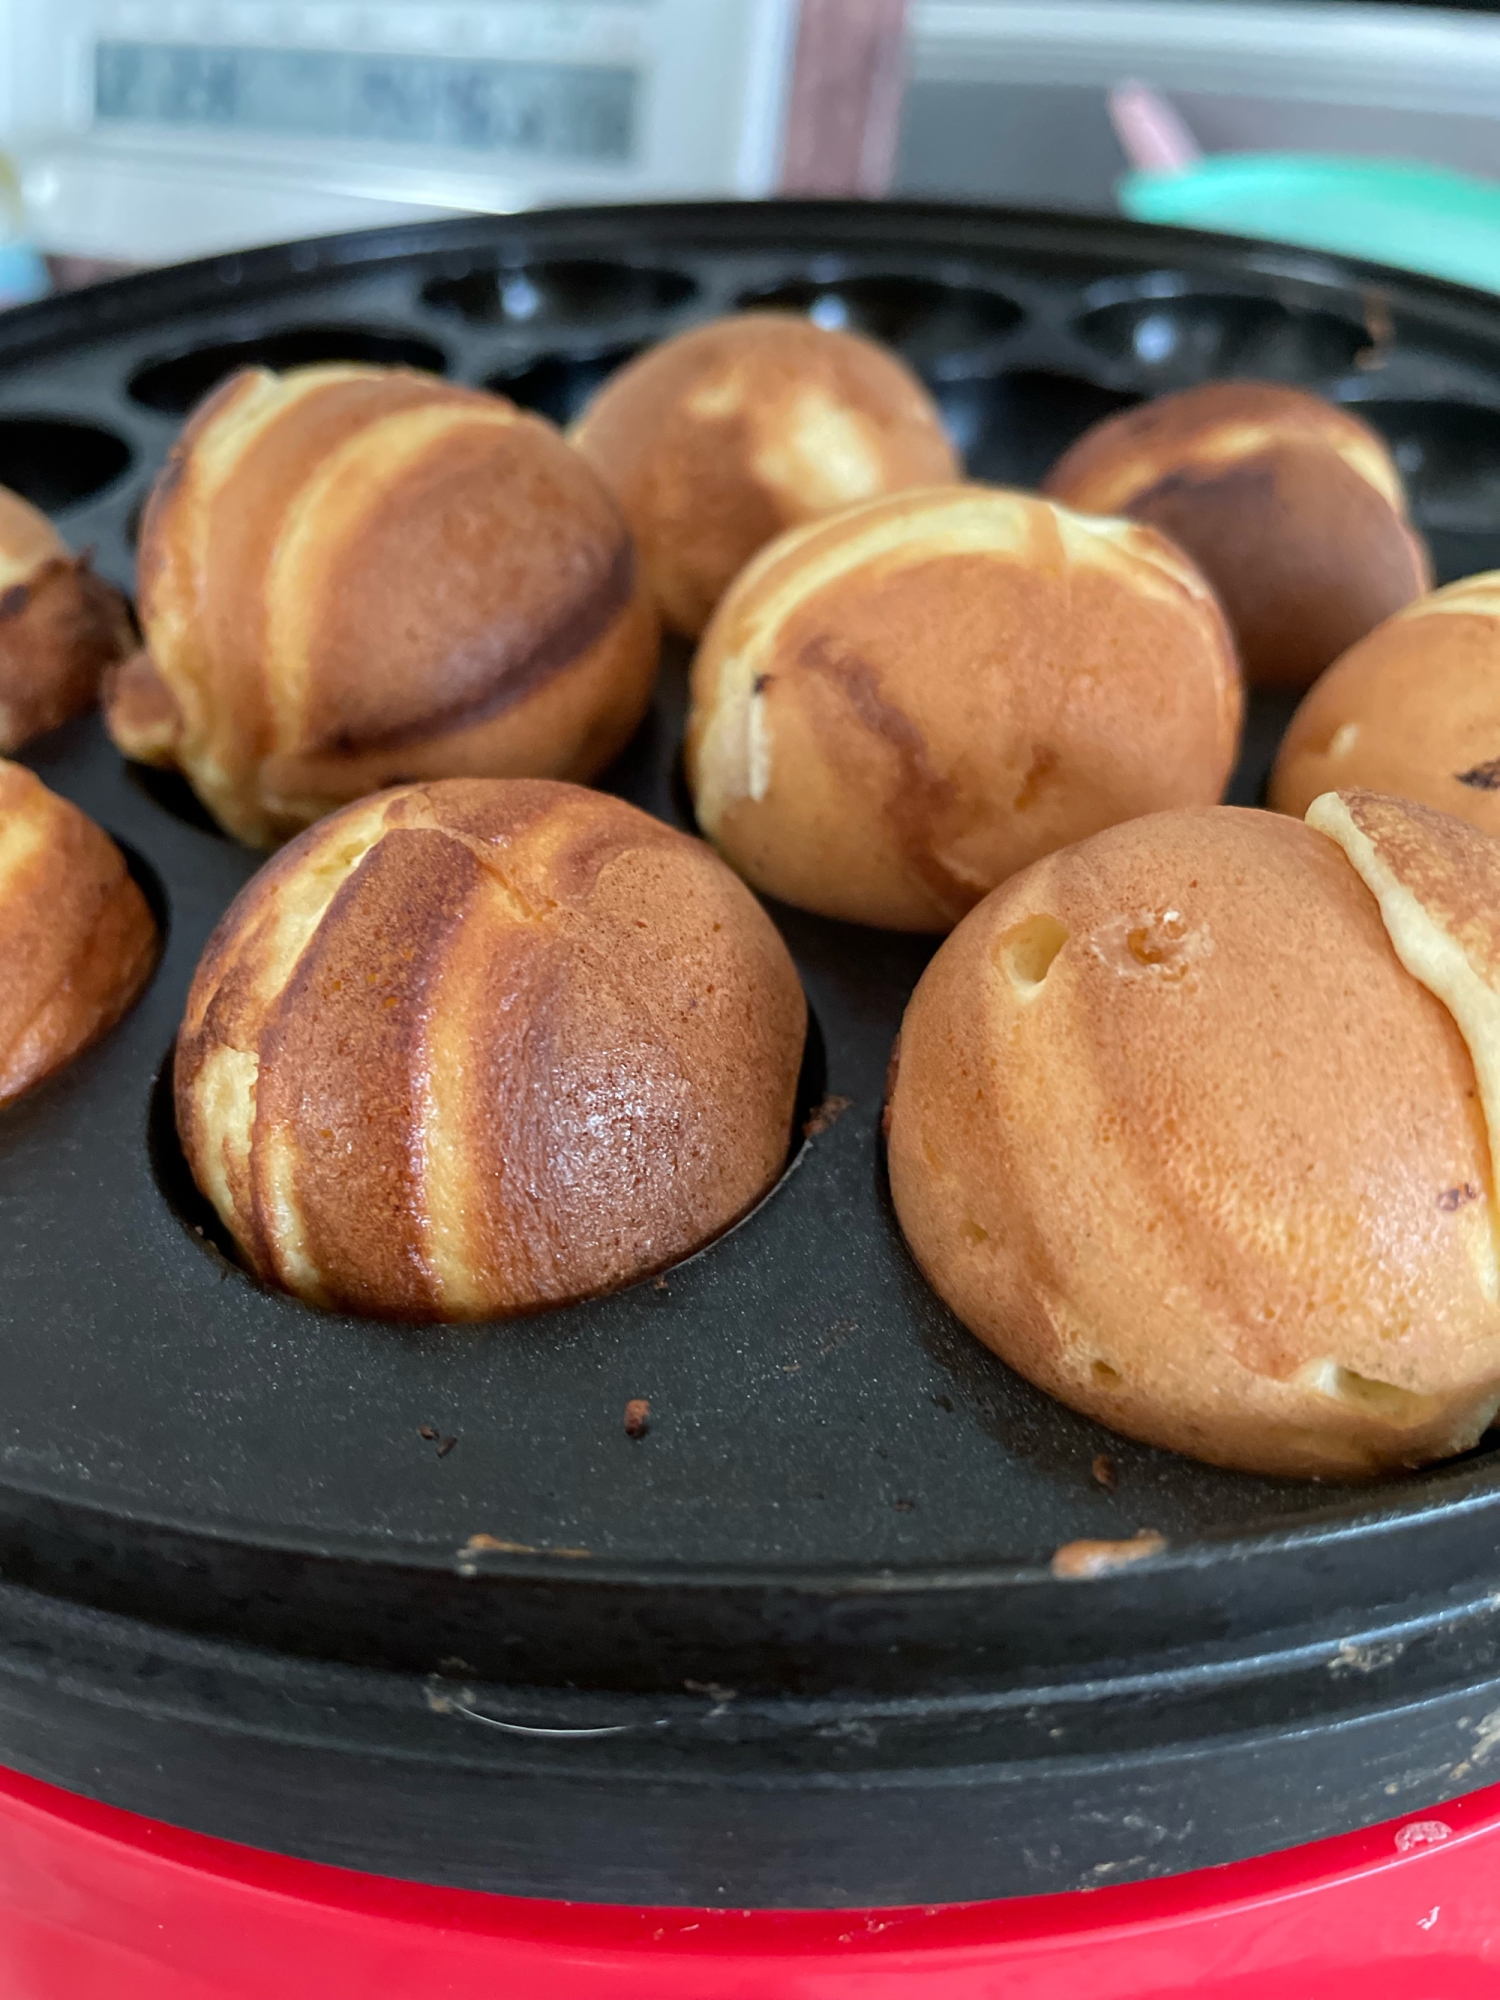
(1414, 709)
(1191, 1125)
(60, 626)
(1293, 509)
(351, 576)
(77, 940)
(475, 1047)
(895, 709)
(717, 440)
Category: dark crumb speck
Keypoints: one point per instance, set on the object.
(446, 1446)
(427, 1431)
(829, 1112)
(903, 1506)
(637, 1417)
(1457, 1197)
(659, 1285)
(1481, 777)
(1103, 1470)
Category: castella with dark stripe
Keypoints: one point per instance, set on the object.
(895, 709)
(352, 577)
(1292, 508)
(470, 1048)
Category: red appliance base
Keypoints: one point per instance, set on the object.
(97, 1904)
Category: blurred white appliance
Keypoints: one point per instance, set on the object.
(152, 130)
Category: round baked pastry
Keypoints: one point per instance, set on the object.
(1190, 1125)
(718, 439)
(351, 576)
(1414, 709)
(1293, 510)
(474, 1047)
(60, 626)
(77, 941)
(895, 709)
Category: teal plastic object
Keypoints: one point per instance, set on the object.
(23, 275)
(1387, 211)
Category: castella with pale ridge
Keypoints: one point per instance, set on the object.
(895, 709)
(353, 576)
(1192, 1124)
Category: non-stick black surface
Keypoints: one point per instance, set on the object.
(823, 1573)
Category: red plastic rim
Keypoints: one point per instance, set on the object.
(98, 1902)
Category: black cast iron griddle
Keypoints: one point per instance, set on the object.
(412, 1600)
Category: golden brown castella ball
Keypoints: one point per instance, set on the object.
(1414, 709)
(77, 942)
(896, 709)
(355, 576)
(475, 1047)
(60, 626)
(1293, 510)
(1186, 1129)
(717, 440)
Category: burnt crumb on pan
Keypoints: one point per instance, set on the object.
(904, 1506)
(659, 1285)
(428, 1432)
(467, 1560)
(1480, 777)
(829, 1112)
(1104, 1473)
(1083, 1560)
(637, 1417)
(715, 1690)
(1457, 1197)
(446, 1446)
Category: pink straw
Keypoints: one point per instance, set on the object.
(1153, 135)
